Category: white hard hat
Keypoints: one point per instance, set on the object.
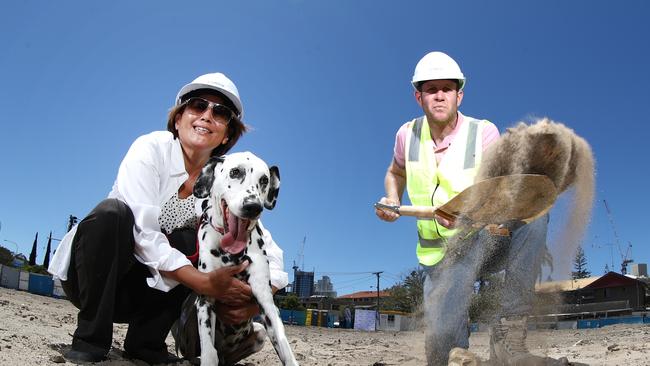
(215, 81)
(437, 66)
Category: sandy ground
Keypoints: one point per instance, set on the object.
(35, 330)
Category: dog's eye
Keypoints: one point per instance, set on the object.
(235, 173)
(264, 180)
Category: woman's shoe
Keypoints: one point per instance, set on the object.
(81, 356)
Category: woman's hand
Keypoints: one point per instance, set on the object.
(235, 304)
(228, 290)
(234, 298)
(219, 284)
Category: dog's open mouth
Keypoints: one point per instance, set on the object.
(235, 230)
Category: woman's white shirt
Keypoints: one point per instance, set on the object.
(150, 173)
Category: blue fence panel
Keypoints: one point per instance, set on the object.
(293, 317)
(40, 284)
(331, 318)
(621, 320)
(646, 319)
(588, 323)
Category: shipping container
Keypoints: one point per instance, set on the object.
(331, 319)
(300, 317)
(315, 319)
(308, 317)
(24, 281)
(41, 284)
(58, 289)
(10, 277)
(324, 319)
(567, 325)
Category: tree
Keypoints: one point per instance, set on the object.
(580, 265)
(291, 302)
(6, 257)
(46, 260)
(407, 295)
(32, 255)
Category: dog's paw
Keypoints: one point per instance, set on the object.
(209, 357)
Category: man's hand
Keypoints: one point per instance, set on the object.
(232, 315)
(387, 215)
(394, 183)
(449, 224)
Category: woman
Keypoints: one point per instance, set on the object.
(124, 262)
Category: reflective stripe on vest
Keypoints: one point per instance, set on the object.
(431, 184)
(428, 243)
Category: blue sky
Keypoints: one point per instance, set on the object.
(325, 85)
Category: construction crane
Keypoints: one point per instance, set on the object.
(625, 260)
(301, 256)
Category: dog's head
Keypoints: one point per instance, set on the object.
(238, 186)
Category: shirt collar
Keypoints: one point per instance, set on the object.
(178, 163)
(449, 138)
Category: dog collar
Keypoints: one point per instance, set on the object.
(220, 230)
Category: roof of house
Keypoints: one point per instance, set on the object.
(610, 279)
(613, 279)
(364, 294)
(565, 285)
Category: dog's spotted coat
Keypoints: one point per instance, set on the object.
(235, 188)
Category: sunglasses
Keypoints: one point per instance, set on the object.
(219, 113)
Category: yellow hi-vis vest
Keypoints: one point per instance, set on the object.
(430, 184)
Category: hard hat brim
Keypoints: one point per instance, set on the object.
(196, 86)
(461, 83)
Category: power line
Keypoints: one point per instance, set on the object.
(350, 283)
(343, 273)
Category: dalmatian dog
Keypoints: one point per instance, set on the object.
(233, 190)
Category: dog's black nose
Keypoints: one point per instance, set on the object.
(252, 208)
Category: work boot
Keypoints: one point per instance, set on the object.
(463, 357)
(508, 346)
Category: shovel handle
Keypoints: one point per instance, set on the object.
(417, 211)
(426, 212)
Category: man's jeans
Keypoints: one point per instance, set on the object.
(449, 285)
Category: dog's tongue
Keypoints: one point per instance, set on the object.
(236, 238)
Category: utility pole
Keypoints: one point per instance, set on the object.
(377, 312)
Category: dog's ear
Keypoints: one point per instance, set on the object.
(274, 188)
(204, 182)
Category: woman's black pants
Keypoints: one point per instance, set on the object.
(108, 285)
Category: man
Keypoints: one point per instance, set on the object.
(436, 156)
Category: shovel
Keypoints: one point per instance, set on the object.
(493, 201)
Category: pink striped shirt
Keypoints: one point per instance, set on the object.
(490, 134)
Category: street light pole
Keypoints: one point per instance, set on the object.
(14, 243)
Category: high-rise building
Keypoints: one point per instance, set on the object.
(640, 269)
(324, 287)
(303, 283)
